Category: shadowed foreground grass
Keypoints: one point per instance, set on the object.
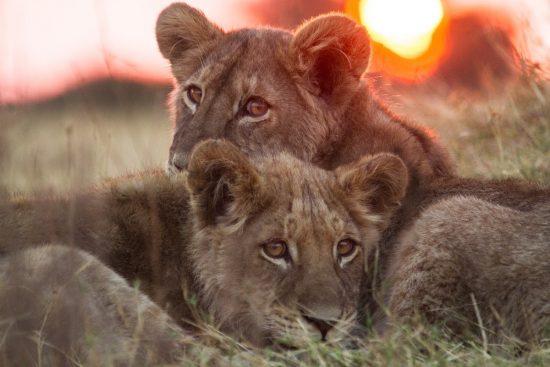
(79, 143)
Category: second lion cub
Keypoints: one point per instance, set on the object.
(474, 265)
(271, 246)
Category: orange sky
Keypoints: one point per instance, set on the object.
(49, 46)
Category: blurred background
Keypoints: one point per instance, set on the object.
(83, 87)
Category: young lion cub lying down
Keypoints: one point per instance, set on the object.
(59, 305)
(471, 264)
(269, 245)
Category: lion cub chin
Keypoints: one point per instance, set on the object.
(271, 246)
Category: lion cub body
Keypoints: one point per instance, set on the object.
(59, 305)
(205, 234)
(320, 109)
(473, 265)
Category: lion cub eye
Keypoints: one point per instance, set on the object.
(346, 250)
(345, 247)
(194, 94)
(256, 107)
(276, 249)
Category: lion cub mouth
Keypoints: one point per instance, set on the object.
(294, 329)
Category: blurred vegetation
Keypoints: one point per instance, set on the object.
(504, 132)
(99, 131)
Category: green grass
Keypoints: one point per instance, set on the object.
(69, 145)
(418, 346)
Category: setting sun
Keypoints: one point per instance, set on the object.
(405, 27)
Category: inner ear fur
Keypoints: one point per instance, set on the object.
(181, 28)
(220, 175)
(377, 182)
(331, 50)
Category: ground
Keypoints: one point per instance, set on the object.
(106, 131)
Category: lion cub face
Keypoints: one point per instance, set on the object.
(265, 90)
(280, 244)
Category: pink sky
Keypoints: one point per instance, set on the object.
(49, 46)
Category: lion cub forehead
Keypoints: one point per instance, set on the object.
(307, 221)
(308, 197)
(246, 47)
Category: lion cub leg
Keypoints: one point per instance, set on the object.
(59, 305)
(475, 267)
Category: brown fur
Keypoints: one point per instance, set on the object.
(471, 264)
(61, 306)
(203, 234)
(321, 111)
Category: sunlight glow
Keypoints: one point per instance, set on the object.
(406, 27)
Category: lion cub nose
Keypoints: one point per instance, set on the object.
(323, 326)
(179, 161)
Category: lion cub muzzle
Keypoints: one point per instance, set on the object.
(324, 326)
(177, 162)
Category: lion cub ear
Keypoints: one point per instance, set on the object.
(331, 51)
(377, 183)
(181, 28)
(222, 180)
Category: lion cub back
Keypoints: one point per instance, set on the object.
(62, 304)
(478, 261)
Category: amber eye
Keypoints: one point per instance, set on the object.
(194, 94)
(276, 249)
(346, 247)
(256, 107)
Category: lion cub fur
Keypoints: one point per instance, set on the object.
(472, 265)
(59, 305)
(321, 109)
(202, 233)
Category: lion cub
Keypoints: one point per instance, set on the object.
(270, 246)
(474, 265)
(59, 305)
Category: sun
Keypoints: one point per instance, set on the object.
(406, 27)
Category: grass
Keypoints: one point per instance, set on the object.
(79, 141)
(504, 136)
(419, 346)
(83, 138)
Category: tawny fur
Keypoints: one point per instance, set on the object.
(473, 265)
(320, 108)
(61, 306)
(202, 234)
(321, 111)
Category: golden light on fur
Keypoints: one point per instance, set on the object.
(406, 27)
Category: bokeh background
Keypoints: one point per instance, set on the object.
(83, 87)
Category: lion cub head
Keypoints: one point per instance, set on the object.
(264, 89)
(280, 244)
